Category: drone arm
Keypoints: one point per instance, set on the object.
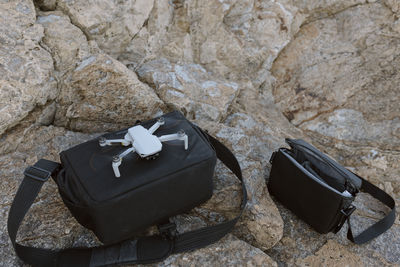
(117, 160)
(156, 125)
(177, 136)
(108, 142)
(126, 152)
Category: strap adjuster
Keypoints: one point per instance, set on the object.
(168, 230)
(347, 212)
(37, 173)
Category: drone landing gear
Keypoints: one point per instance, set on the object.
(117, 160)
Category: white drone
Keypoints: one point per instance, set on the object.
(143, 142)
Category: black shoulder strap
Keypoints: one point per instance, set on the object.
(141, 250)
(382, 225)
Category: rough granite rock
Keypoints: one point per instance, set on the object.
(251, 72)
(233, 38)
(112, 25)
(190, 88)
(356, 66)
(46, 5)
(325, 257)
(261, 225)
(300, 242)
(97, 92)
(26, 68)
(101, 89)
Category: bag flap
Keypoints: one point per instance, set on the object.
(325, 163)
(88, 165)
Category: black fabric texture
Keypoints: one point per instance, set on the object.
(87, 165)
(23, 200)
(142, 250)
(124, 252)
(152, 190)
(153, 249)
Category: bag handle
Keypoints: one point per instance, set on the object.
(142, 250)
(382, 225)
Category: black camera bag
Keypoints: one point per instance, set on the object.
(116, 209)
(320, 191)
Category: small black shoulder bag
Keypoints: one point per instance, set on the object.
(147, 192)
(320, 191)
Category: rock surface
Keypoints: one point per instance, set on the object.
(26, 68)
(97, 91)
(250, 72)
(190, 88)
(346, 95)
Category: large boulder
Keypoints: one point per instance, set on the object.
(112, 25)
(190, 88)
(27, 76)
(97, 91)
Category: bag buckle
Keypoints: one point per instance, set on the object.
(168, 230)
(348, 211)
(37, 173)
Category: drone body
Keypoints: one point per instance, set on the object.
(143, 142)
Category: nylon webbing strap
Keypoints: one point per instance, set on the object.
(207, 235)
(33, 181)
(382, 225)
(143, 250)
